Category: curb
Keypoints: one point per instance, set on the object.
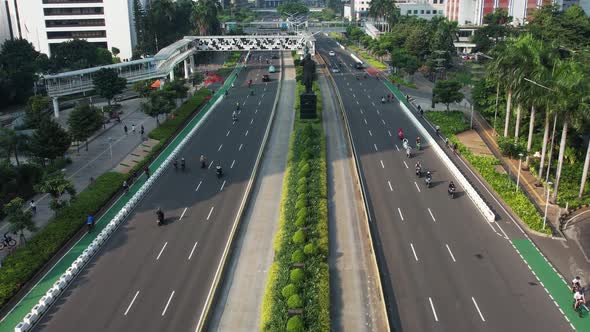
(219, 274)
(361, 186)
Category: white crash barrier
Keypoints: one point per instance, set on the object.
(483, 208)
(63, 282)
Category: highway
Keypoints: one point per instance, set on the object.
(159, 278)
(443, 267)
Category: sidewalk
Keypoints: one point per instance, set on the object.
(97, 160)
(242, 292)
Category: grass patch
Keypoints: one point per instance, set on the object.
(398, 80)
(232, 60)
(299, 276)
(372, 61)
(452, 123)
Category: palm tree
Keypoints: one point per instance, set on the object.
(570, 78)
(205, 17)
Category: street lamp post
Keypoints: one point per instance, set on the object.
(519, 165)
(547, 203)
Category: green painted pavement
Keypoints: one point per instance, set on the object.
(552, 281)
(38, 291)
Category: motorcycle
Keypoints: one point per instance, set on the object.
(219, 171)
(418, 172)
(160, 219)
(418, 146)
(182, 164)
(234, 118)
(400, 134)
(428, 181)
(452, 192)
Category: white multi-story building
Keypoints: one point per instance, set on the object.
(45, 23)
(359, 9)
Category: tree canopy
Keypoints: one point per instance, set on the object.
(108, 84)
(447, 92)
(78, 54)
(49, 141)
(292, 8)
(83, 122)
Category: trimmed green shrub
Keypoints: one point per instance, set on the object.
(299, 237)
(301, 204)
(296, 276)
(309, 249)
(298, 256)
(289, 290)
(295, 324)
(302, 220)
(294, 302)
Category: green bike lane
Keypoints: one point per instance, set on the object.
(552, 281)
(31, 299)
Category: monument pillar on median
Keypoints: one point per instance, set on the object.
(56, 107)
(308, 99)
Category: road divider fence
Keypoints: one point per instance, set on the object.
(94, 247)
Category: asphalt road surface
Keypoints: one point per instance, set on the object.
(444, 268)
(150, 278)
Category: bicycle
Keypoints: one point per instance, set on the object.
(8, 242)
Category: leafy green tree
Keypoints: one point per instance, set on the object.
(384, 10)
(78, 54)
(19, 219)
(447, 92)
(11, 142)
(108, 84)
(205, 17)
(401, 59)
(37, 111)
(178, 88)
(83, 122)
(49, 141)
(58, 187)
(496, 27)
(160, 102)
(143, 89)
(19, 65)
(292, 8)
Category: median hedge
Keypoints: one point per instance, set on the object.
(20, 266)
(454, 122)
(297, 296)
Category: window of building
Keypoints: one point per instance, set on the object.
(428, 12)
(434, 12)
(434, 1)
(421, 11)
(409, 12)
(73, 11)
(441, 1)
(415, 11)
(76, 34)
(71, 1)
(74, 23)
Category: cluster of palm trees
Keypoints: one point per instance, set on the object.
(384, 11)
(547, 81)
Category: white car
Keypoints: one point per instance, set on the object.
(332, 53)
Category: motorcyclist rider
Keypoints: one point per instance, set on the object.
(182, 163)
(218, 170)
(408, 151)
(175, 163)
(428, 178)
(400, 133)
(160, 215)
(451, 187)
(234, 116)
(382, 100)
(418, 168)
(405, 143)
(203, 161)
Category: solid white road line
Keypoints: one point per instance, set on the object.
(199, 185)
(406, 164)
(370, 133)
(246, 133)
(382, 165)
(227, 133)
(240, 148)
(433, 310)
(353, 95)
(414, 251)
(222, 185)
(431, 215)
(375, 145)
(389, 132)
(210, 211)
(210, 164)
(477, 307)
(357, 102)
(417, 186)
(390, 187)
(260, 102)
(192, 251)
(168, 303)
(383, 121)
(240, 111)
(220, 146)
(361, 111)
(451, 253)
(182, 214)
(365, 120)
(373, 103)
(400, 213)
(162, 250)
(256, 111)
(130, 304)
(232, 164)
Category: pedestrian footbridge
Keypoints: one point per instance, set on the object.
(163, 63)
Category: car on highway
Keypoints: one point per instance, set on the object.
(332, 53)
(265, 78)
(272, 69)
(358, 65)
(335, 69)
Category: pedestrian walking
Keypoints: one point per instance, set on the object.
(125, 129)
(125, 186)
(147, 172)
(142, 130)
(90, 222)
(33, 206)
(133, 128)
